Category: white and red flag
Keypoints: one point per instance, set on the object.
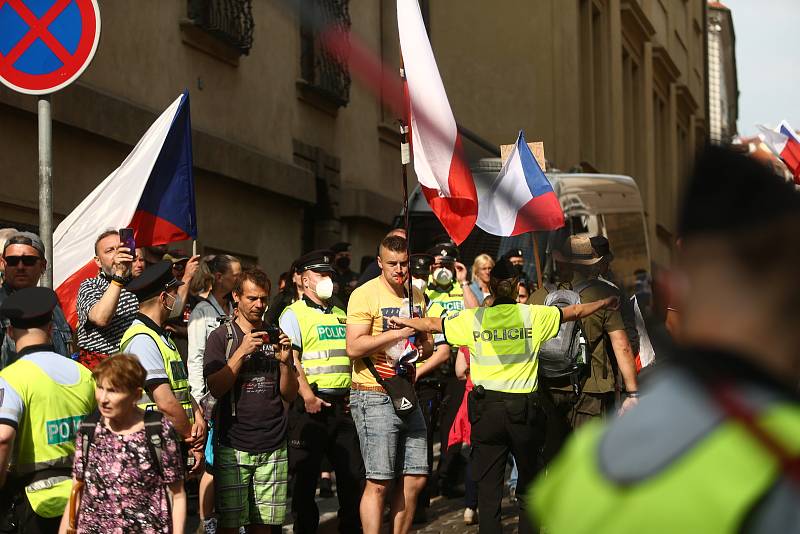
(439, 162)
(785, 144)
(151, 192)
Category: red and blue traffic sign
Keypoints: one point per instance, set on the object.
(46, 44)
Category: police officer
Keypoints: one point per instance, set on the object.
(438, 389)
(714, 444)
(167, 381)
(43, 397)
(504, 408)
(321, 424)
(420, 267)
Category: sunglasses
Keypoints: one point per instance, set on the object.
(27, 261)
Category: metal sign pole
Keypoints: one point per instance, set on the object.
(46, 185)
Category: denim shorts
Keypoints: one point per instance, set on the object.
(390, 445)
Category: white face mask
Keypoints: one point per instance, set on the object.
(324, 289)
(443, 276)
(419, 283)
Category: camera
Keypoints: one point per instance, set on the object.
(270, 335)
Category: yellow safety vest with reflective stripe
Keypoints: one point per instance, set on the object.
(441, 304)
(46, 432)
(712, 486)
(173, 364)
(504, 341)
(325, 361)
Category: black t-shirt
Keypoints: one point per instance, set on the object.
(260, 423)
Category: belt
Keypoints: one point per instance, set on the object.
(489, 395)
(334, 395)
(364, 387)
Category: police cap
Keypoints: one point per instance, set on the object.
(514, 253)
(342, 246)
(318, 261)
(447, 250)
(421, 265)
(30, 307)
(504, 270)
(729, 192)
(153, 281)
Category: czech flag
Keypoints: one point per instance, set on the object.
(151, 192)
(439, 162)
(520, 199)
(785, 144)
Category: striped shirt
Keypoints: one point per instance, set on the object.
(92, 337)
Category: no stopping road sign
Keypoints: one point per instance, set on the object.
(46, 44)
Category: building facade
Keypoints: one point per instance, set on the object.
(616, 86)
(723, 88)
(291, 153)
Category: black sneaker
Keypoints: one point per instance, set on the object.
(325, 488)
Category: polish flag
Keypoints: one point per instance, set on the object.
(785, 144)
(519, 199)
(439, 160)
(151, 192)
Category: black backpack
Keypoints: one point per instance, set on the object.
(152, 430)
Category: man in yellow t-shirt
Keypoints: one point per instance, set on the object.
(389, 445)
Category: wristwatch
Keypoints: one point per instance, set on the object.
(122, 280)
(632, 394)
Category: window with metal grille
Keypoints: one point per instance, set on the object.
(230, 21)
(322, 69)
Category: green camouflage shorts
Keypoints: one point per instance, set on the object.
(250, 488)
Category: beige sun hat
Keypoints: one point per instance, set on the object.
(577, 250)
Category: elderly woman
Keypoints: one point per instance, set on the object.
(481, 268)
(126, 488)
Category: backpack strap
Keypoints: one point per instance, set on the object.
(87, 428)
(230, 336)
(153, 427)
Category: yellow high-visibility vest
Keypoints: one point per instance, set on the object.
(504, 341)
(173, 364)
(324, 359)
(46, 433)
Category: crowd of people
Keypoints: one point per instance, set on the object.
(190, 369)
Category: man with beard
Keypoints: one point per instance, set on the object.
(105, 308)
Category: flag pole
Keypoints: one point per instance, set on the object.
(536, 260)
(405, 158)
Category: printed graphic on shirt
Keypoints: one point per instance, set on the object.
(63, 430)
(395, 312)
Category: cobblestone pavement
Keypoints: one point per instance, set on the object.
(447, 515)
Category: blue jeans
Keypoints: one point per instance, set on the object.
(390, 445)
(512, 478)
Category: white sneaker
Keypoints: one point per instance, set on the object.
(470, 516)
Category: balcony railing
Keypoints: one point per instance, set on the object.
(323, 71)
(230, 21)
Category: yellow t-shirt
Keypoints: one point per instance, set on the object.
(372, 304)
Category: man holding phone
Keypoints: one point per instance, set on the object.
(105, 309)
(252, 380)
